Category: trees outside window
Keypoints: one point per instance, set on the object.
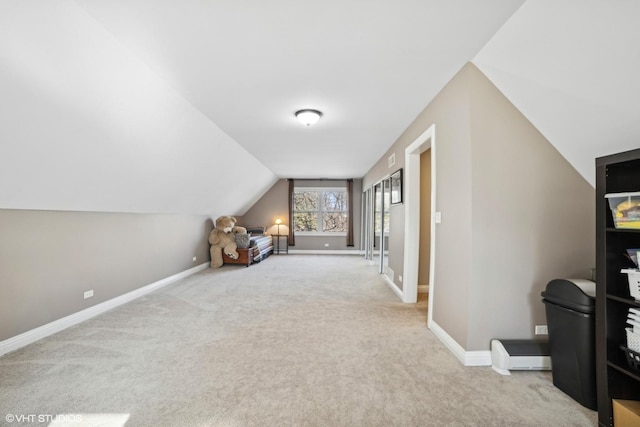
(320, 210)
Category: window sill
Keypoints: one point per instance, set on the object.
(318, 234)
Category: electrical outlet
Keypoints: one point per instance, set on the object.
(194, 259)
(326, 245)
(400, 278)
(88, 294)
(542, 330)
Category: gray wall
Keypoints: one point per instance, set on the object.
(425, 218)
(48, 259)
(533, 218)
(274, 204)
(515, 214)
(84, 132)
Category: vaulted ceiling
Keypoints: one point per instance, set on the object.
(571, 67)
(369, 66)
(186, 106)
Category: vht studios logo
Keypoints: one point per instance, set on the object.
(43, 418)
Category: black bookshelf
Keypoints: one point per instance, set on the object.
(616, 379)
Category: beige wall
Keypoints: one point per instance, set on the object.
(508, 202)
(425, 218)
(533, 218)
(48, 259)
(450, 112)
(274, 204)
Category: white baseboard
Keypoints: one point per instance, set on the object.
(393, 286)
(477, 358)
(468, 358)
(51, 328)
(324, 252)
(391, 275)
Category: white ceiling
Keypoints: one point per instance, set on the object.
(572, 67)
(187, 106)
(369, 66)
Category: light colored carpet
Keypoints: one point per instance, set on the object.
(296, 340)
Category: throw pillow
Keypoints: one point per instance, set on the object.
(242, 240)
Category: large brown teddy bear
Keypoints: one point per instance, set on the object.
(221, 239)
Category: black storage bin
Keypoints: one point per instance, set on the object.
(570, 309)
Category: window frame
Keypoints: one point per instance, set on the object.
(320, 211)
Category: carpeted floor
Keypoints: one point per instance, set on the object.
(296, 340)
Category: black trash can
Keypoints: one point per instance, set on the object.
(570, 308)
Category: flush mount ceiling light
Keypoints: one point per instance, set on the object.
(308, 117)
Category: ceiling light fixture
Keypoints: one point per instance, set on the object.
(308, 117)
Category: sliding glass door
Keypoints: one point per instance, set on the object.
(367, 224)
(377, 210)
(384, 235)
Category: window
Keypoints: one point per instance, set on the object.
(320, 211)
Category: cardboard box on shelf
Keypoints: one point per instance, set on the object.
(626, 413)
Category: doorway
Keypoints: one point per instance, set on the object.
(412, 219)
(424, 255)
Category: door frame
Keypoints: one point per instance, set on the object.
(412, 218)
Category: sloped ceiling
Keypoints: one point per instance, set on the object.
(167, 106)
(572, 68)
(85, 125)
(369, 66)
